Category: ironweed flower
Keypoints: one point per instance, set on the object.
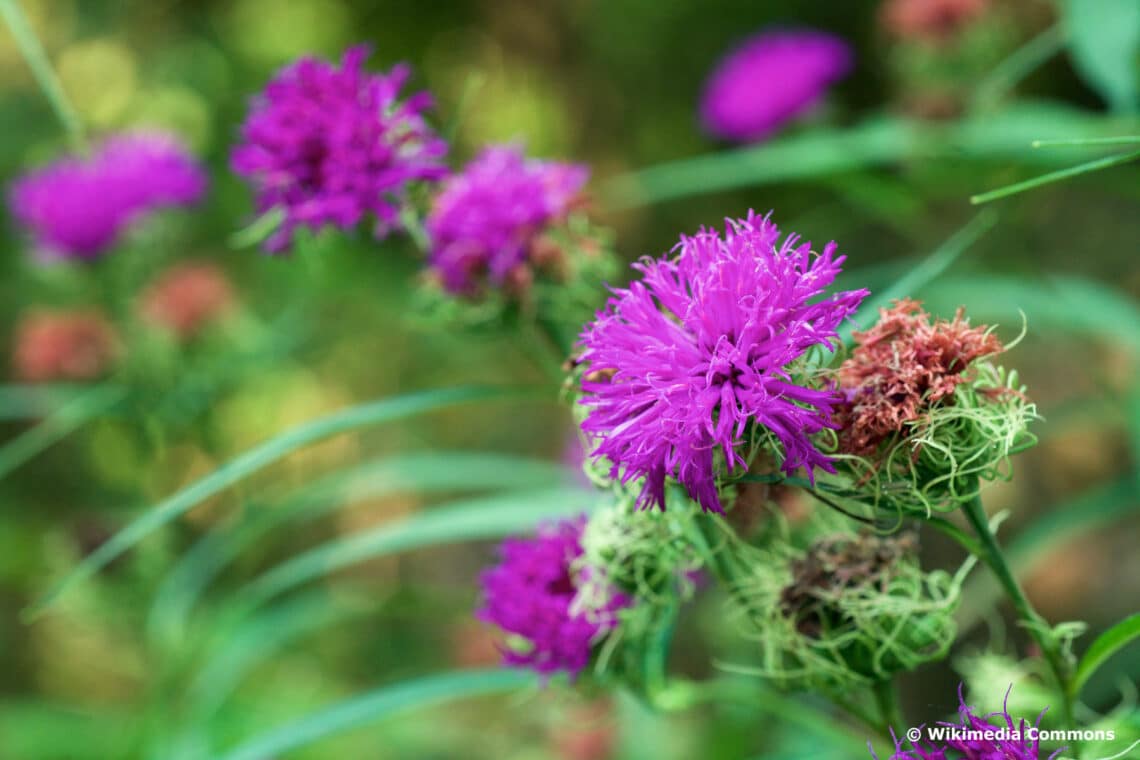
(533, 595)
(76, 208)
(329, 144)
(186, 298)
(901, 367)
(64, 345)
(487, 222)
(771, 79)
(697, 354)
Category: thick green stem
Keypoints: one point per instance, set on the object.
(38, 62)
(992, 555)
(887, 699)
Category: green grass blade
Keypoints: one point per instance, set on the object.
(1087, 141)
(468, 520)
(1020, 64)
(1106, 645)
(1045, 179)
(23, 402)
(378, 704)
(927, 270)
(63, 422)
(420, 473)
(353, 418)
(258, 230)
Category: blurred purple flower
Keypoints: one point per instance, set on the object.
(77, 207)
(483, 221)
(682, 362)
(770, 79)
(329, 144)
(1001, 746)
(532, 592)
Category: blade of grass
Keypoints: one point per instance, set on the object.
(381, 703)
(62, 423)
(1020, 64)
(1045, 179)
(37, 60)
(427, 473)
(22, 402)
(353, 418)
(468, 520)
(1085, 141)
(1104, 647)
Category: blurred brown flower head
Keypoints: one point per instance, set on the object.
(900, 367)
(934, 21)
(64, 345)
(186, 298)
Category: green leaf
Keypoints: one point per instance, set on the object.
(1106, 645)
(22, 402)
(1104, 41)
(421, 473)
(353, 418)
(258, 230)
(381, 703)
(68, 418)
(468, 520)
(1073, 171)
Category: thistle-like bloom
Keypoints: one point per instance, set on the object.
(963, 746)
(186, 298)
(902, 366)
(533, 594)
(64, 345)
(329, 144)
(76, 208)
(771, 79)
(687, 360)
(487, 221)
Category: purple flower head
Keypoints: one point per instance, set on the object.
(484, 220)
(770, 79)
(77, 207)
(329, 144)
(684, 361)
(1004, 739)
(532, 593)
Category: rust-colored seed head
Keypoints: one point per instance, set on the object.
(64, 345)
(186, 298)
(935, 21)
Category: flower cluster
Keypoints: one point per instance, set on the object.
(533, 594)
(64, 345)
(770, 79)
(901, 367)
(688, 360)
(77, 208)
(487, 221)
(328, 144)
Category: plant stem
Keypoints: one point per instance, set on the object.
(992, 555)
(887, 699)
(37, 60)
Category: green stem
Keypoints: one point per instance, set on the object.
(992, 555)
(1020, 64)
(887, 699)
(1057, 176)
(38, 62)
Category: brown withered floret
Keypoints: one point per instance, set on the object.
(64, 345)
(934, 21)
(900, 368)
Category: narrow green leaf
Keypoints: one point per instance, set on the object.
(73, 415)
(258, 230)
(1045, 179)
(1104, 40)
(1087, 141)
(1106, 645)
(1020, 64)
(378, 704)
(421, 473)
(353, 418)
(22, 402)
(469, 520)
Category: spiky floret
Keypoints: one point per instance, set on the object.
(684, 364)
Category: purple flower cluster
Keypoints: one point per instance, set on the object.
(76, 208)
(1002, 745)
(329, 144)
(531, 593)
(683, 362)
(770, 79)
(484, 220)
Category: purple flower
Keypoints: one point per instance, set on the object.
(770, 79)
(329, 144)
(532, 593)
(484, 220)
(687, 360)
(1000, 744)
(77, 207)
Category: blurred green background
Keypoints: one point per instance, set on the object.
(612, 84)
